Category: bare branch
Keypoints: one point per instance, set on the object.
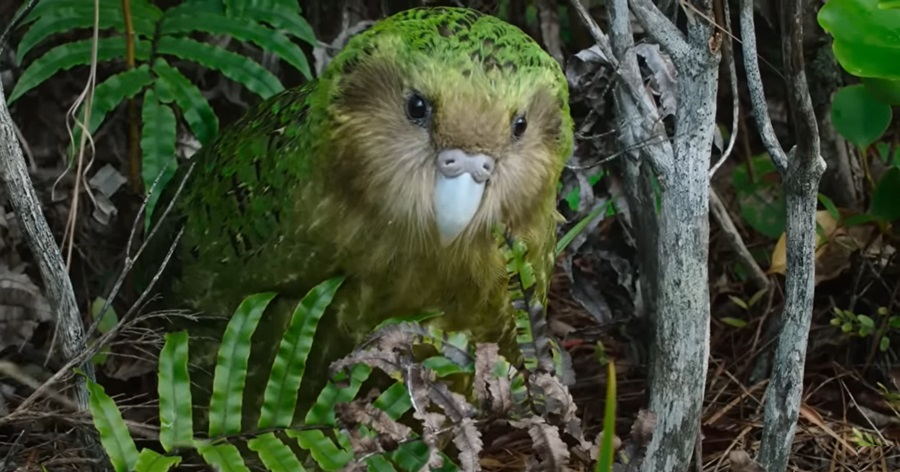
(597, 33)
(661, 29)
(17, 184)
(735, 98)
(757, 276)
(755, 87)
(802, 171)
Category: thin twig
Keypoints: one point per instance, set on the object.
(757, 276)
(735, 98)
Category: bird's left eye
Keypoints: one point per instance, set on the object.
(520, 124)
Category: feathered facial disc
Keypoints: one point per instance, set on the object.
(447, 122)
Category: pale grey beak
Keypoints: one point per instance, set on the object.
(458, 189)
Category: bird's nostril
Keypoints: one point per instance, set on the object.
(450, 162)
(486, 167)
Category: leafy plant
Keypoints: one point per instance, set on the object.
(759, 197)
(345, 430)
(863, 326)
(158, 38)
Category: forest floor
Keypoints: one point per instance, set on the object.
(850, 415)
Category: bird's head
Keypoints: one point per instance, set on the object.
(445, 122)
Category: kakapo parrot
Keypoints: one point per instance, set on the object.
(426, 132)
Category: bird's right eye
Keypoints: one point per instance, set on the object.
(417, 109)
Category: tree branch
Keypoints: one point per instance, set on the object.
(758, 104)
(662, 30)
(801, 171)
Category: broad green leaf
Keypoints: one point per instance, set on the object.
(114, 435)
(152, 461)
(114, 90)
(859, 116)
(241, 29)
(176, 425)
(197, 112)
(234, 8)
(283, 18)
(607, 439)
(379, 464)
(280, 398)
(110, 318)
(888, 4)
(885, 90)
(234, 66)
(157, 148)
(231, 366)
(222, 457)
(394, 401)
(886, 196)
(866, 42)
(759, 196)
(830, 206)
(69, 55)
(276, 455)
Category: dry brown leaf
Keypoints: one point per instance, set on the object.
(553, 453)
(741, 462)
(833, 247)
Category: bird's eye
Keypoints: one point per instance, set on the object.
(520, 124)
(417, 109)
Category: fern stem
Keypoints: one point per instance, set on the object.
(134, 130)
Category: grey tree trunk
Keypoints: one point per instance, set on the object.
(801, 171)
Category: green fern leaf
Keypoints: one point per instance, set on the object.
(152, 461)
(275, 455)
(328, 455)
(114, 435)
(234, 8)
(139, 8)
(242, 29)
(222, 457)
(379, 464)
(285, 19)
(280, 398)
(157, 147)
(231, 366)
(394, 401)
(234, 66)
(114, 90)
(176, 426)
(66, 56)
(197, 112)
(322, 449)
(68, 19)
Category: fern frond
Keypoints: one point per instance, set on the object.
(275, 454)
(222, 457)
(152, 461)
(241, 29)
(234, 66)
(158, 148)
(142, 8)
(231, 366)
(69, 55)
(114, 435)
(68, 19)
(197, 112)
(285, 19)
(114, 90)
(280, 398)
(176, 426)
